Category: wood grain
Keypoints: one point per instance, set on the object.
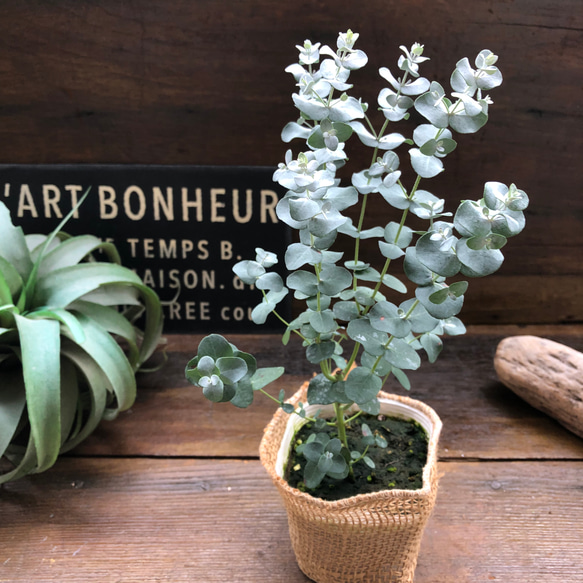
(152, 521)
(195, 83)
(482, 418)
(135, 505)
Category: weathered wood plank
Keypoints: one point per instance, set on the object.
(191, 83)
(115, 82)
(482, 418)
(208, 521)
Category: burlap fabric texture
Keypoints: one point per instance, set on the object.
(369, 538)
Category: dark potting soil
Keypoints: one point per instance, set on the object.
(399, 466)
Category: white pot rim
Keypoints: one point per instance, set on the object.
(396, 407)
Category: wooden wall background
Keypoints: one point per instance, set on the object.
(202, 82)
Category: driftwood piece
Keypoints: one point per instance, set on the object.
(546, 374)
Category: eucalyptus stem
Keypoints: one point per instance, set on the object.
(346, 300)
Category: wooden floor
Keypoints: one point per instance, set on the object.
(172, 491)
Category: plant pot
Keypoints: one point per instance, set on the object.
(374, 537)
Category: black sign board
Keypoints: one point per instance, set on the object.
(180, 228)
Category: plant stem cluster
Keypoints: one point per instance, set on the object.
(355, 326)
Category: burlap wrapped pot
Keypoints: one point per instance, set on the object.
(369, 538)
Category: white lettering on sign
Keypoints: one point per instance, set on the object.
(217, 205)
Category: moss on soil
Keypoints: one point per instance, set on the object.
(397, 466)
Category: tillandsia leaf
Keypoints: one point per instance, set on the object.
(153, 324)
(65, 318)
(12, 282)
(59, 288)
(40, 349)
(73, 250)
(12, 402)
(115, 323)
(106, 352)
(13, 246)
(93, 375)
(69, 398)
(25, 463)
(31, 281)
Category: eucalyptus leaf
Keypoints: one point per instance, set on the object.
(431, 252)
(451, 306)
(319, 351)
(362, 385)
(478, 263)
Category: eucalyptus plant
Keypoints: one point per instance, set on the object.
(64, 317)
(360, 325)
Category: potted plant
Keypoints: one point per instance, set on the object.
(64, 317)
(355, 327)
